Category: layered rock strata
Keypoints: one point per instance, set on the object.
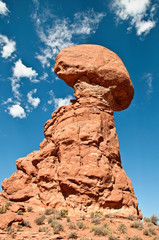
(78, 165)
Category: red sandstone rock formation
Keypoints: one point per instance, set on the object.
(78, 165)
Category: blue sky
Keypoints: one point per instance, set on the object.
(32, 33)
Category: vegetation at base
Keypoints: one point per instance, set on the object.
(43, 229)
(4, 208)
(137, 224)
(80, 225)
(136, 238)
(71, 225)
(57, 227)
(39, 220)
(122, 228)
(25, 223)
(29, 209)
(72, 235)
(102, 230)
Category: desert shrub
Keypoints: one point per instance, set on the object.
(50, 219)
(137, 224)
(107, 216)
(29, 209)
(63, 213)
(43, 229)
(146, 232)
(57, 227)
(20, 212)
(80, 225)
(152, 230)
(156, 238)
(49, 211)
(146, 219)
(96, 220)
(4, 208)
(71, 225)
(72, 235)
(84, 238)
(111, 237)
(9, 230)
(57, 215)
(154, 219)
(122, 228)
(102, 230)
(39, 220)
(127, 238)
(130, 217)
(136, 237)
(26, 223)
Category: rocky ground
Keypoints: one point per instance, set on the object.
(17, 222)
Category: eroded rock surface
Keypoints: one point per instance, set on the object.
(78, 165)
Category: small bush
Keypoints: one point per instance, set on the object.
(72, 235)
(96, 220)
(4, 209)
(84, 238)
(156, 238)
(122, 228)
(136, 238)
(49, 211)
(29, 209)
(57, 215)
(57, 227)
(137, 224)
(63, 213)
(20, 212)
(102, 230)
(80, 225)
(146, 219)
(43, 229)
(154, 219)
(152, 231)
(130, 217)
(111, 237)
(26, 223)
(71, 225)
(146, 232)
(39, 220)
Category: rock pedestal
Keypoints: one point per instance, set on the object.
(78, 165)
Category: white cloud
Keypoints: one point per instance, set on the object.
(9, 100)
(3, 8)
(20, 70)
(17, 111)
(34, 101)
(139, 13)
(62, 32)
(58, 102)
(149, 78)
(8, 46)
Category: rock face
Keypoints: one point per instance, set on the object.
(78, 165)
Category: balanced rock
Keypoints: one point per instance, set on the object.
(78, 165)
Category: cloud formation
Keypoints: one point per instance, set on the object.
(62, 32)
(8, 46)
(58, 102)
(3, 8)
(20, 70)
(34, 101)
(140, 14)
(16, 111)
(149, 78)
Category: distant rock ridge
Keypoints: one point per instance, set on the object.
(78, 165)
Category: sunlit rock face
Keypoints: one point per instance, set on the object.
(78, 165)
